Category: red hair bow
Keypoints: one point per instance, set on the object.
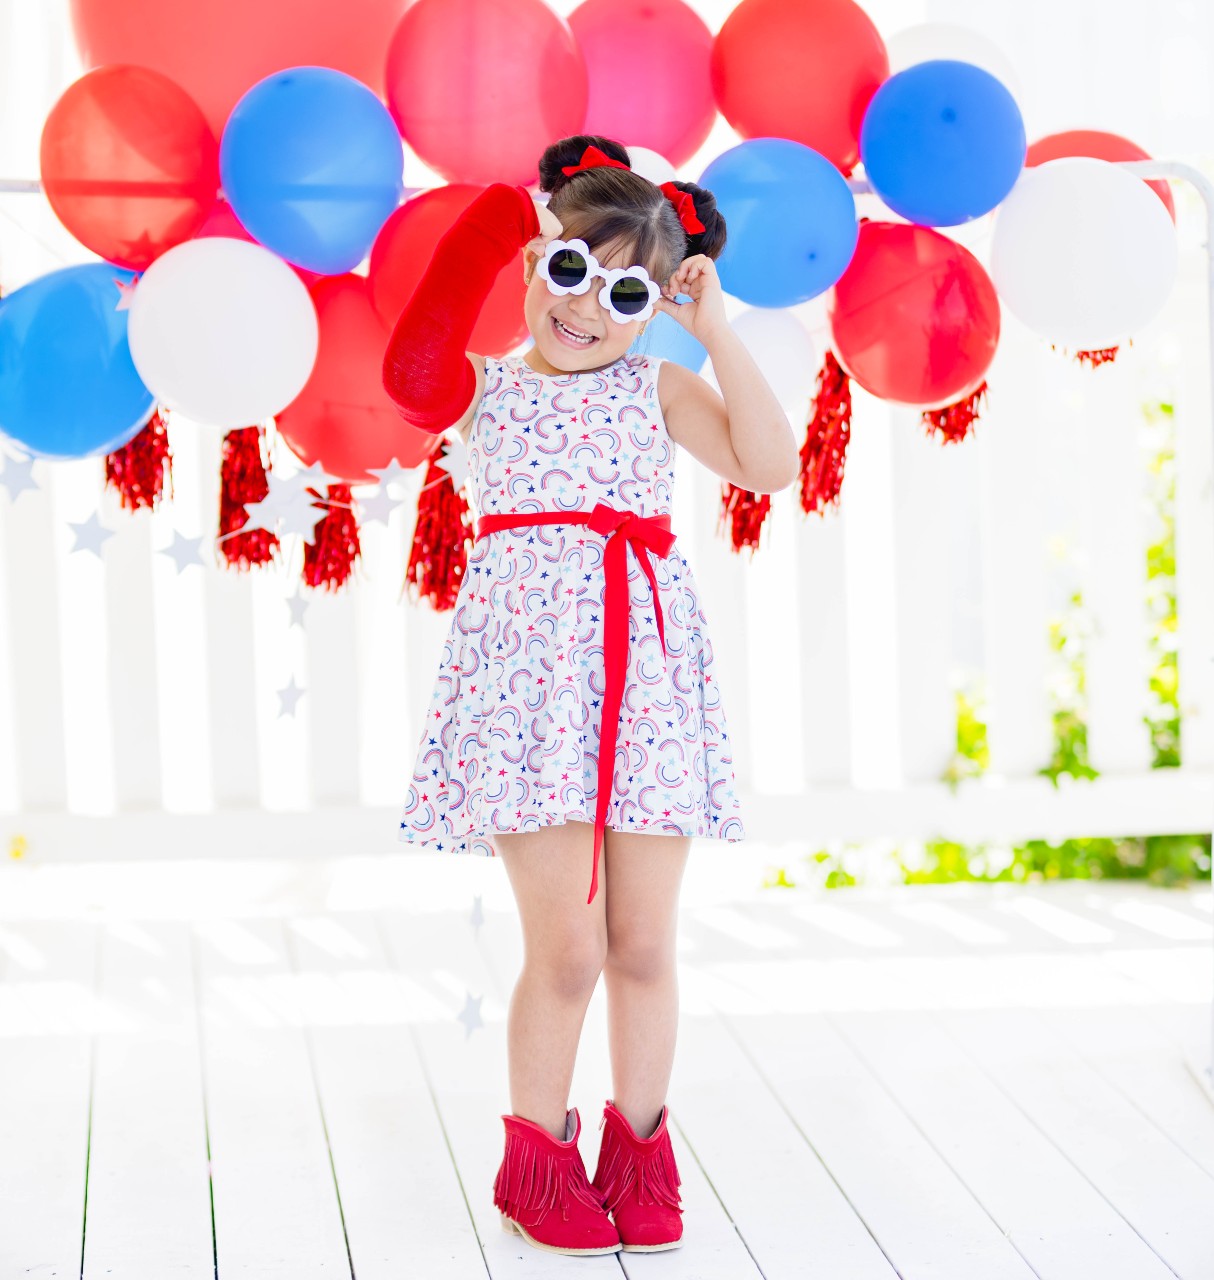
(593, 158)
(684, 205)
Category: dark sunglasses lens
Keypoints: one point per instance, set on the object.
(629, 295)
(567, 268)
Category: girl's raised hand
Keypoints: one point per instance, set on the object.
(704, 315)
(550, 228)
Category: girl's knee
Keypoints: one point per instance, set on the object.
(571, 971)
(641, 957)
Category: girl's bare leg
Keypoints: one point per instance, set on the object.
(564, 944)
(645, 873)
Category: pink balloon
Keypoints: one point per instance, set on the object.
(478, 88)
(650, 80)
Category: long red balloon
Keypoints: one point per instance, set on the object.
(403, 250)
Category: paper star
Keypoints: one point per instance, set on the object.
(470, 1014)
(296, 604)
(393, 473)
(184, 551)
(126, 288)
(316, 476)
(454, 460)
(478, 916)
(290, 696)
(379, 507)
(17, 476)
(90, 535)
(302, 517)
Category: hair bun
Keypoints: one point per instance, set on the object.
(711, 240)
(569, 151)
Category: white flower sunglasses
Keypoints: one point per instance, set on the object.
(570, 267)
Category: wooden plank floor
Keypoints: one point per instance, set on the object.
(270, 1069)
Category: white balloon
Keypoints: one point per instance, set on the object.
(932, 40)
(782, 348)
(223, 331)
(1083, 252)
(651, 164)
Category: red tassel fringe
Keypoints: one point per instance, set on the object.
(745, 511)
(329, 558)
(242, 478)
(1097, 356)
(438, 558)
(825, 447)
(533, 1179)
(138, 469)
(621, 1168)
(955, 421)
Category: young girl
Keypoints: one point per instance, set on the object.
(576, 717)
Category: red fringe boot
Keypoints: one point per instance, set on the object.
(639, 1181)
(539, 1174)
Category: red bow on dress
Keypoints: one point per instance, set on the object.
(684, 205)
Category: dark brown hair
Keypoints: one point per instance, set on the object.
(611, 208)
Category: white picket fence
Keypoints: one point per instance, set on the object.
(139, 708)
(149, 700)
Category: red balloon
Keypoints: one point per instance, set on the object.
(222, 221)
(343, 418)
(402, 252)
(478, 88)
(1100, 146)
(218, 49)
(128, 164)
(799, 69)
(914, 318)
(658, 96)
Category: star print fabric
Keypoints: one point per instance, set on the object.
(511, 739)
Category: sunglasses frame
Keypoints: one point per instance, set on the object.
(594, 269)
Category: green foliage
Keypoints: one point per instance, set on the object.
(1159, 859)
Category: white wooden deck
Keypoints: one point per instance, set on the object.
(259, 1069)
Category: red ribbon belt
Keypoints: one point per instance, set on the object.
(645, 533)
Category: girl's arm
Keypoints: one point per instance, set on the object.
(426, 370)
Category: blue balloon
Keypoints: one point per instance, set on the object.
(790, 221)
(667, 338)
(68, 386)
(942, 142)
(311, 163)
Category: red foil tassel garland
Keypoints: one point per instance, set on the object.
(745, 512)
(329, 558)
(242, 478)
(955, 421)
(138, 469)
(825, 447)
(438, 558)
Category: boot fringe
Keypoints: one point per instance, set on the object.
(531, 1179)
(620, 1168)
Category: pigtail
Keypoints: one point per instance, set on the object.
(710, 241)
